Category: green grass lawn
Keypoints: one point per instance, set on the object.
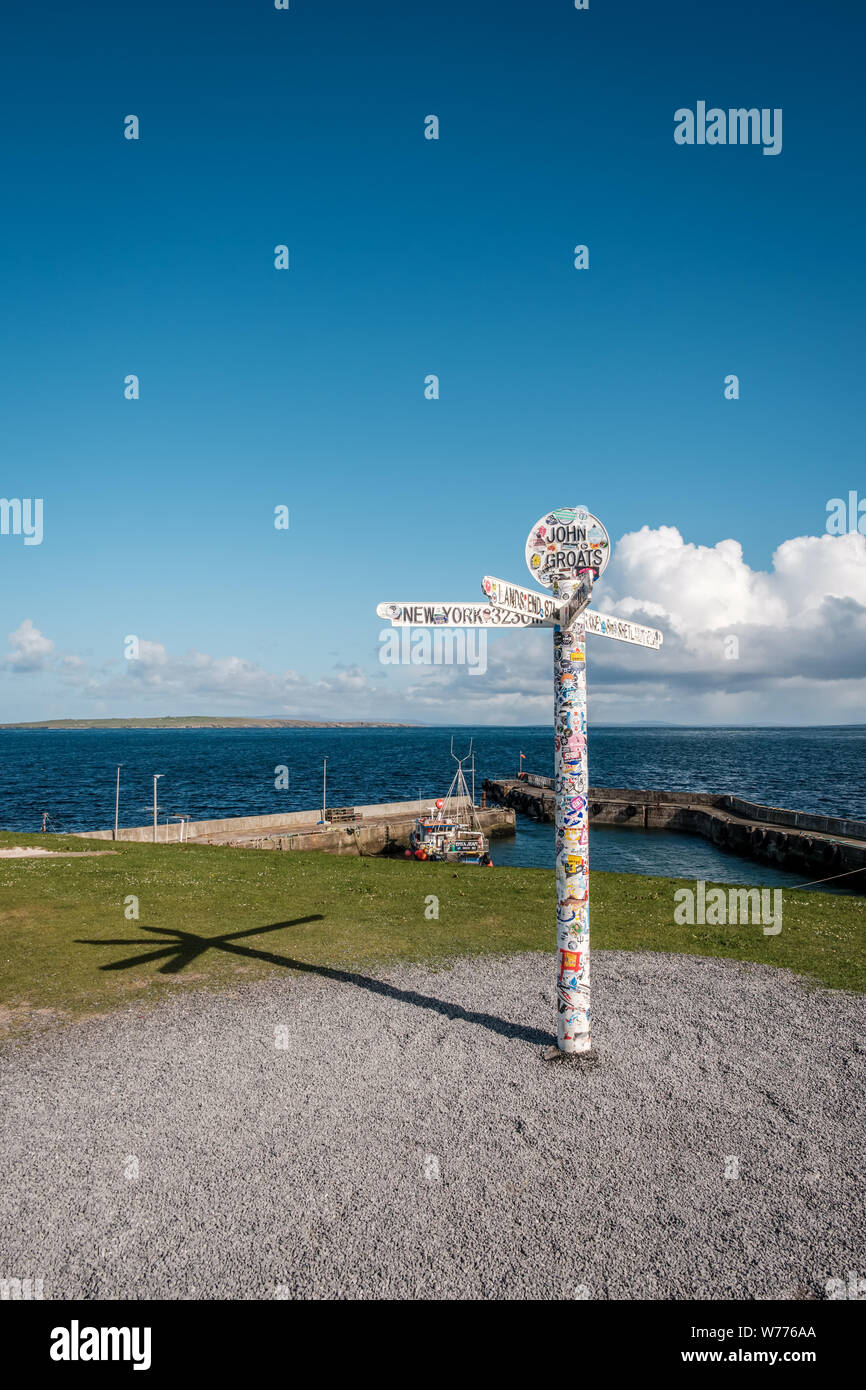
(219, 916)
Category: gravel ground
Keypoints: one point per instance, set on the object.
(335, 1136)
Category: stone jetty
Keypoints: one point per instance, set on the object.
(360, 830)
(816, 846)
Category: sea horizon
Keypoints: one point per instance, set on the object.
(209, 773)
(133, 725)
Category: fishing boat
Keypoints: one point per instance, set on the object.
(449, 830)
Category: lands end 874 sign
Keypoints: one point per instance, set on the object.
(565, 544)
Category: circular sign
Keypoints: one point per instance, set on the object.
(566, 544)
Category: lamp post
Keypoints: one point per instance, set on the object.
(156, 778)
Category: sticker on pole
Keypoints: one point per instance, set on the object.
(564, 545)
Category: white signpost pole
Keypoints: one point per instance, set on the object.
(566, 552)
(571, 792)
(571, 802)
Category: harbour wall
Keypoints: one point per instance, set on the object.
(816, 846)
(376, 829)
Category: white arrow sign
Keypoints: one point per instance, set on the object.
(515, 599)
(578, 601)
(467, 613)
(622, 629)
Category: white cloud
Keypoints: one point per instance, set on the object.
(196, 681)
(804, 618)
(800, 628)
(30, 651)
(708, 588)
(193, 682)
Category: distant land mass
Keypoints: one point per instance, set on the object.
(206, 721)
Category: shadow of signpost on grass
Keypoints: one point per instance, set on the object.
(186, 947)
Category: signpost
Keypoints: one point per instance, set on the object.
(515, 599)
(577, 603)
(456, 613)
(623, 630)
(565, 545)
(566, 551)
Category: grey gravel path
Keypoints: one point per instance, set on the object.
(408, 1141)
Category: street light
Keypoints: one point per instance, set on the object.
(156, 778)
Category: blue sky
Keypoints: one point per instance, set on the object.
(409, 257)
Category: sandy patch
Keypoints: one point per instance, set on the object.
(26, 852)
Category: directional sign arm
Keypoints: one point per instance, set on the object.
(622, 629)
(578, 601)
(456, 613)
(514, 598)
(468, 613)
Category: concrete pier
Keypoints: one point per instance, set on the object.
(815, 846)
(360, 830)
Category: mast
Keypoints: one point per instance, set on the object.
(459, 793)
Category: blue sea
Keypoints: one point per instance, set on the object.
(208, 773)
